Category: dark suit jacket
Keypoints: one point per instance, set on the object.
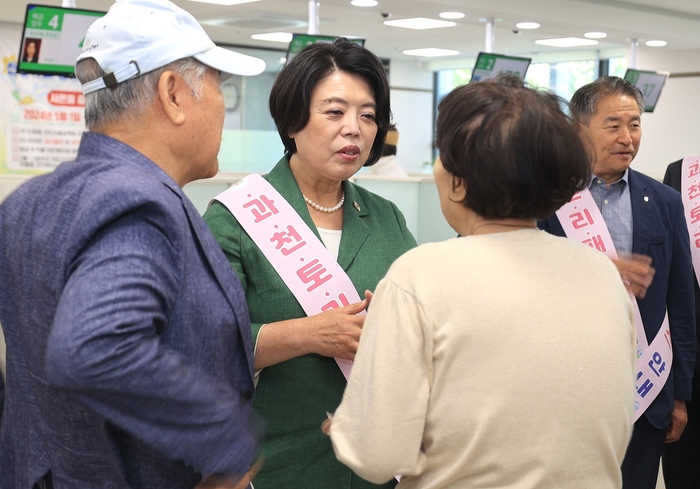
(129, 354)
(673, 179)
(659, 231)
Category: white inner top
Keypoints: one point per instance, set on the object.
(331, 238)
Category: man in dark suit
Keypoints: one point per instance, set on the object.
(680, 459)
(129, 352)
(645, 219)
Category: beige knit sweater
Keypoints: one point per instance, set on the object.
(496, 361)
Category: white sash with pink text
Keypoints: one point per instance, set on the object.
(690, 192)
(582, 221)
(291, 247)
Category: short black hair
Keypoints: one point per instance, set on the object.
(584, 103)
(290, 97)
(518, 153)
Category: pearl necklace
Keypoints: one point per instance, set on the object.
(320, 208)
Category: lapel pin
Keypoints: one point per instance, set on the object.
(646, 199)
(357, 206)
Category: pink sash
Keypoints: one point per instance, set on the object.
(690, 192)
(582, 221)
(292, 248)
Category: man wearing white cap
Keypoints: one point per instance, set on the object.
(129, 355)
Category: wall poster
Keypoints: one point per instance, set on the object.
(41, 117)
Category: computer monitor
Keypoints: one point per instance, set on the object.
(489, 65)
(649, 83)
(52, 39)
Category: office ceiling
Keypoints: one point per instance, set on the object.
(674, 21)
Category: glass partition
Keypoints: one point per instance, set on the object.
(250, 142)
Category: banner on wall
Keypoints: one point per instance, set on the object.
(41, 117)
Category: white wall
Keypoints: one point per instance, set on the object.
(672, 131)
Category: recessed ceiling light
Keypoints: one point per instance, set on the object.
(451, 15)
(595, 35)
(419, 23)
(225, 2)
(527, 25)
(430, 52)
(364, 3)
(566, 42)
(655, 44)
(273, 36)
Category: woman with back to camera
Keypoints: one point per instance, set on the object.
(505, 357)
(331, 108)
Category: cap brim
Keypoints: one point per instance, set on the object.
(230, 62)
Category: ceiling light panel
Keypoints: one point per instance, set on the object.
(595, 35)
(656, 44)
(419, 23)
(430, 52)
(566, 42)
(225, 2)
(452, 15)
(527, 25)
(274, 37)
(364, 3)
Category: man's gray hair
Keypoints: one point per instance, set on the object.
(133, 97)
(583, 103)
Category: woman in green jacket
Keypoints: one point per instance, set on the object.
(331, 108)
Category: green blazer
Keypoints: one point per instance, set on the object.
(293, 397)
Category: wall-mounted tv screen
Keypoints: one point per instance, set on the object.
(300, 41)
(649, 83)
(489, 65)
(52, 39)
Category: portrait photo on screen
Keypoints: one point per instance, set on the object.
(30, 52)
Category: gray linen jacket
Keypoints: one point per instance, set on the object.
(129, 352)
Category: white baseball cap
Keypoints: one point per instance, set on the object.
(138, 36)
